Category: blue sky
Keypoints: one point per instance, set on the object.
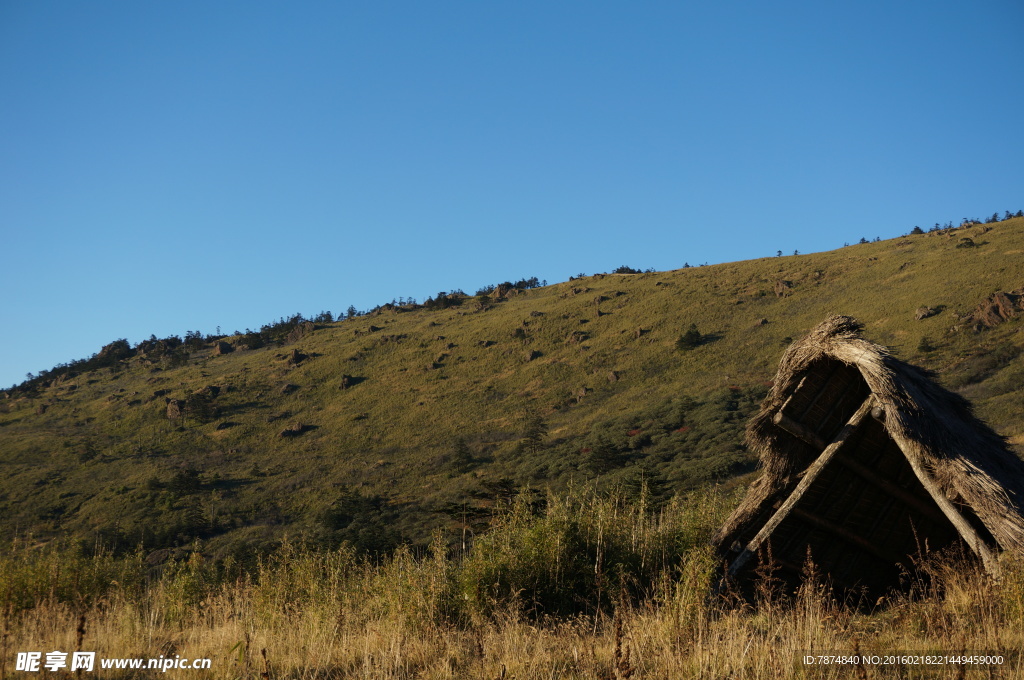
(175, 166)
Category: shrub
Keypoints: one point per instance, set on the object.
(585, 554)
(690, 339)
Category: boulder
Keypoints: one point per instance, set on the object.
(613, 376)
(925, 312)
(997, 308)
(221, 347)
(296, 357)
(175, 408)
(288, 388)
(576, 337)
(532, 354)
(783, 288)
(300, 331)
(210, 391)
(762, 322)
(293, 430)
(501, 291)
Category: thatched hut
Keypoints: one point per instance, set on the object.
(867, 463)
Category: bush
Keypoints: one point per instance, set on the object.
(585, 554)
(690, 339)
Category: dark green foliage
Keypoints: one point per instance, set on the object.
(185, 481)
(462, 459)
(565, 562)
(644, 484)
(155, 348)
(916, 231)
(199, 408)
(534, 432)
(251, 339)
(194, 341)
(983, 363)
(444, 300)
(626, 270)
(600, 456)
(691, 339)
(364, 522)
(177, 357)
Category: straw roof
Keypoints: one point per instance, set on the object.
(828, 469)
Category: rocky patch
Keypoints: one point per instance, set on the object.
(783, 288)
(997, 308)
(295, 430)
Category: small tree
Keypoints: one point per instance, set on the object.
(462, 458)
(534, 433)
(601, 456)
(916, 230)
(198, 407)
(690, 339)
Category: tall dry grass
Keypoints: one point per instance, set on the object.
(591, 588)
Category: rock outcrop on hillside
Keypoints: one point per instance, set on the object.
(997, 308)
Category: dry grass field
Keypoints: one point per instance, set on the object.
(483, 614)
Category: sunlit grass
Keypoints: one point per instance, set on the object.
(439, 614)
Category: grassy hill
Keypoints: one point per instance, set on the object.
(379, 428)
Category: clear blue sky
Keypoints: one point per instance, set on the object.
(167, 166)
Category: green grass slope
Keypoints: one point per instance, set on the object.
(447, 411)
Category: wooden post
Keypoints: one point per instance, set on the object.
(810, 475)
(800, 431)
(967, 532)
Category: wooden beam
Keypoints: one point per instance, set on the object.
(804, 433)
(799, 430)
(846, 535)
(809, 476)
(929, 510)
(966, 531)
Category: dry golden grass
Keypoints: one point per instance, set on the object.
(306, 614)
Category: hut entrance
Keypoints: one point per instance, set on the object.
(859, 509)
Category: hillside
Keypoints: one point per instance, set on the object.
(377, 429)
